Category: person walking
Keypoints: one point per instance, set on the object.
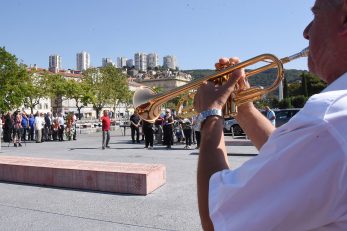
(106, 125)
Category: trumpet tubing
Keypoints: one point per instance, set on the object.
(148, 104)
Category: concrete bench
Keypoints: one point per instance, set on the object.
(86, 125)
(132, 178)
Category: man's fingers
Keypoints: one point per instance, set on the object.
(222, 63)
(234, 60)
(235, 76)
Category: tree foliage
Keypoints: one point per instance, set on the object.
(78, 91)
(12, 79)
(106, 85)
(284, 103)
(298, 101)
(34, 90)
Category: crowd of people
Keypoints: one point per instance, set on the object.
(19, 127)
(166, 130)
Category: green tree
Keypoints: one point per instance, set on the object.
(12, 79)
(304, 84)
(285, 88)
(78, 91)
(298, 101)
(314, 84)
(294, 88)
(284, 103)
(308, 86)
(106, 85)
(55, 86)
(34, 90)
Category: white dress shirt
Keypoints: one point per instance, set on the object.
(39, 122)
(299, 179)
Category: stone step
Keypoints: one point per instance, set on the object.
(132, 178)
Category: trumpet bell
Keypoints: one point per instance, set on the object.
(185, 108)
(145, 107)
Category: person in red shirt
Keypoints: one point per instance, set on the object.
(106, 123)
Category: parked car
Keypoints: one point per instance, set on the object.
(282, 117)
(232, 124)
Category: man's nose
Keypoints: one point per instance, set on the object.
(306, 31)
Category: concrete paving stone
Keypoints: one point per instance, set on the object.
(171, 207)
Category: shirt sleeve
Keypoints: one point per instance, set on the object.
(296, 185)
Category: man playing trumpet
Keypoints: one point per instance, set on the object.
(298, 180)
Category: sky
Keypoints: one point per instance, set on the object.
(197, 32)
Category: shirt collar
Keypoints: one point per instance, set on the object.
(339, 84)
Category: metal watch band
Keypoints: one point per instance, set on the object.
(210, 112)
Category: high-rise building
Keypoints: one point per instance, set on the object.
(169, 61)
(152, 60)
(130, 63)
(82, 61)
(140, 61)
(54, 63)
(107, 61)
(121, 62)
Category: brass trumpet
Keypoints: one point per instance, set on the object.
(148, 104)
(185, 108)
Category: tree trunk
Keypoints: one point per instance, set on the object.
(79, 112)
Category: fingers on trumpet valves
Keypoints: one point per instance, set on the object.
(222, 63)
(234, 60)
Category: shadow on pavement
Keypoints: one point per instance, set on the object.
(68, 189)
(232, 154)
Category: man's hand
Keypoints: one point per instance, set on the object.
(210, 96)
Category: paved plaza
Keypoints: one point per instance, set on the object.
(171, 207)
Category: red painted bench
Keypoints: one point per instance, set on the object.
(132, 178)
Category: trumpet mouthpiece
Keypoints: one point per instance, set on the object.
(303, 53)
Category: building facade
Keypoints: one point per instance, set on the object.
(82, 61)
(130, 63)
(121, 62)
(152, 60)
(54, 63)
(169, 61)
(140, 61)
(107, 61)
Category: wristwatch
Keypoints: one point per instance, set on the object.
(210, 112)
